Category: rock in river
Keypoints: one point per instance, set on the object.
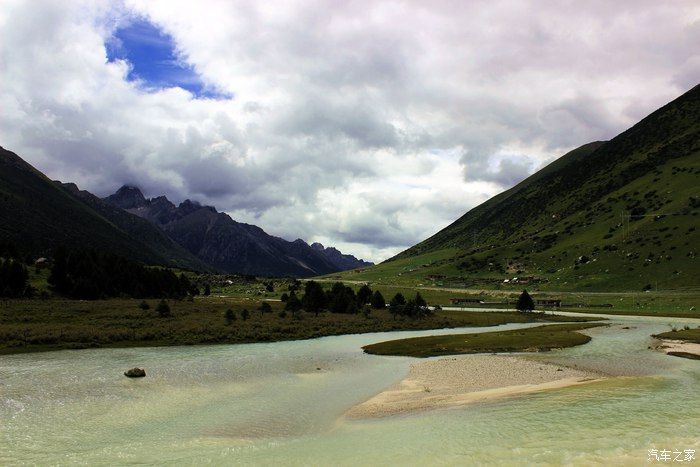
(135, 373)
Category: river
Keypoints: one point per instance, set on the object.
(282, 404)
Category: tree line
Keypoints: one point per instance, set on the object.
(90, 275)
(343, 299)
(14, 279)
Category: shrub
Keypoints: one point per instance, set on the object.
(144, 305)
(293, 304)
(163, 309)
(265, 308)
(230, 316)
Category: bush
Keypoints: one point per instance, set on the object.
(144, 305)
(293, 304)
(163, 309)
(265, 308)
(245, 314)
(230, 316)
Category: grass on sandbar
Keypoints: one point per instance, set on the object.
(689, 335)
(539, 338)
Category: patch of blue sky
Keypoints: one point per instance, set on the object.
(154, 61)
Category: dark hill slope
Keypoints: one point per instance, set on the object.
(37, 215)
(619, 214)
(140, 229)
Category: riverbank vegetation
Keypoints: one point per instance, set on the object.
(537, 339)
(687, 334)
(38, 325)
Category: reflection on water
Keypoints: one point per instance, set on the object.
(282, 403)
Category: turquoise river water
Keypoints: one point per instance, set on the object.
(283, 404)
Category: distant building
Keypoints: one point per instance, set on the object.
(41, 263)
(461, 301)
(435, 276)
(522, 280)
(549, 303)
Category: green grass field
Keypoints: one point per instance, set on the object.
(537, 339)
(679, 303)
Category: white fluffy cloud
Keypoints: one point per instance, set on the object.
(365, 125)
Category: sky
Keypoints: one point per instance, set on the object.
(368, 126)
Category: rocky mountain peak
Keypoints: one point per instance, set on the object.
(127, 197)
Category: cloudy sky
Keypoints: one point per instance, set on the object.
(368, 125)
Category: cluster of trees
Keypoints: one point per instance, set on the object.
(338, 299)
(343, 299)
(413, 308)
(14, 279)
(91, 275)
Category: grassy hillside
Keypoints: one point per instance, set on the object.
(615, 215)
(37, 215)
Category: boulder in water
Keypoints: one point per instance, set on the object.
(135, 373)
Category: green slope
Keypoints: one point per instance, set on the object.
(614, 215)
(38, 215)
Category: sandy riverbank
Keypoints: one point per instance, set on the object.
(680, 348)
(456, 381)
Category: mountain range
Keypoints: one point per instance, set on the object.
(38, 215)
(609, 215)
(231, 246)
